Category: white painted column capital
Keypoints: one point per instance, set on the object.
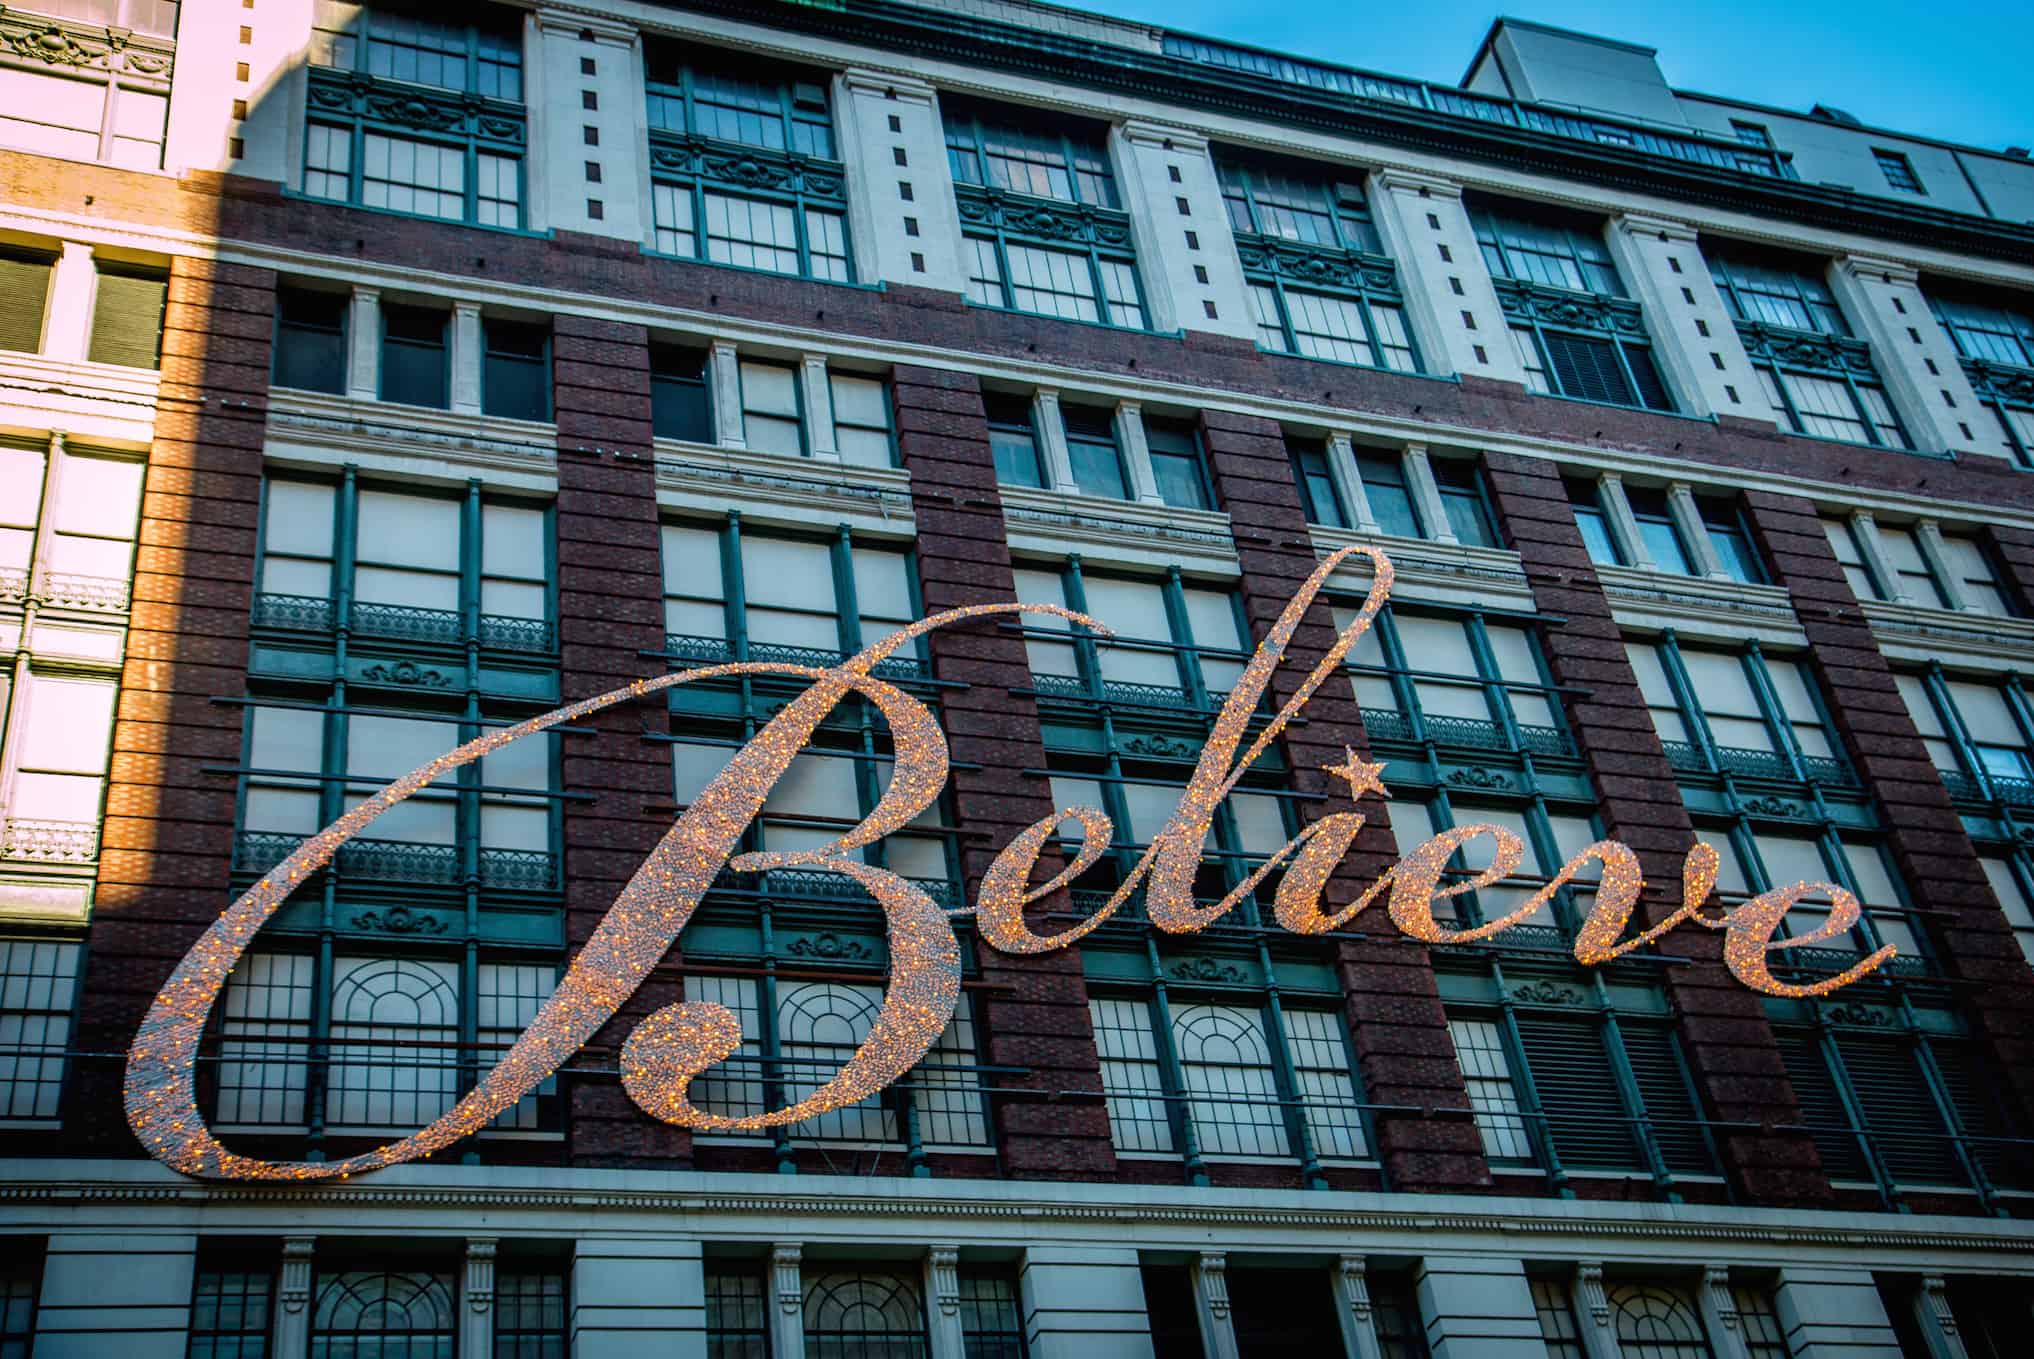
(1719, 1314)
(1348, 481)
(1417, 184)
(476, 1289)
(724, 378)
(1665, 230)
(1694, 531)
(1623, 527)
(1938, 1323)
(1426, 493)
(363, 343)
(942, 1298)
(293, 1298)
(1136, 453)
(1051, 430)
(466, 358)
(816, 396)
(67, 310)
(1210, 1273)
(1351, 1283)
(787, 1286)
(1592, 1313)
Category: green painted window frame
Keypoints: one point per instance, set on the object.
(1409, 723)
(1786, 761)
(1320, 498)
(1013, 419)
(1995, 344)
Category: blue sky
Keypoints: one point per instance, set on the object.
(1955, 69)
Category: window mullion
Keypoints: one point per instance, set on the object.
(1640, 1128)
(1936, 687)
(1853, 1108)
(1778, 724)
(1692, 716)
(1285, 1080)
(1172, 1074)
(1186, 656)
(1525, 1089)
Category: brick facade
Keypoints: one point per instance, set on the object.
(168, 840)
(1927, 837)
(1730, 1046)
(1033, 1010)
(1389, 990)
(610, 613)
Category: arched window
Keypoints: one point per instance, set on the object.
(1656, 1322)
(395, 1023)
(373, 1315)
(820, 1024)
(1231, 1092)
(863, 1316)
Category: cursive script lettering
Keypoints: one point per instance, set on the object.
(664, 1053)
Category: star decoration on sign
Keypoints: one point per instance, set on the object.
(1362, 777)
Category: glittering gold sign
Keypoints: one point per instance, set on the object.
(668, 1049)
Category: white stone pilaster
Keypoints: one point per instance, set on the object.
(119, 1293)
(67, 310)
(1083, 1301)
(1426, 230)
(1351, 1283)
(637, 1295)
(466, 358)
(942, 1302)
(1719, 1314)
(1136, 453)
(1349, 483)
(1864, 530)
(1623, 528)
(293, 1298)
(1928, 536)
(1169, 187)
(556, 45)
(724, 379)
(816, 395)
(476, 1297)
(1913, 355)
(1833, 1313)
(1210, 1273)
(1938, 1323)
(1694, 337)
(1694, 532)
(1051, 429)
(787, 1295)
(880, 218)
(1426, 493)
(1592, 1313)
(1478, 1308)
(363, 343)
(201, 126)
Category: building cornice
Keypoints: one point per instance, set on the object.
(923, 31)
(38, 1195)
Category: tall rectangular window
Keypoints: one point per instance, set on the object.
(1013, 439)
(1391, 501)
(415, 358)
(1856, 571)
(127, 316)
(681, 401)
(38, 997)
(1591, 349)
(1177, 466)
(515, 375)
(1586, 499)
(1013, 170)
(24, 288)
(861, 419)
(230, 1312)
(1462, 501)
(737, 1310)
(743, 164)
(310, 340)
(1319, 499)
(529, 1312)
(1092, 448)
(379, 74)
(772, 411)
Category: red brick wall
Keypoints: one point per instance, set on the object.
(168, 842)
(610, 611)
(1389, 992)
(1722, 1025)
(1927, 837)
(1032, 1011)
